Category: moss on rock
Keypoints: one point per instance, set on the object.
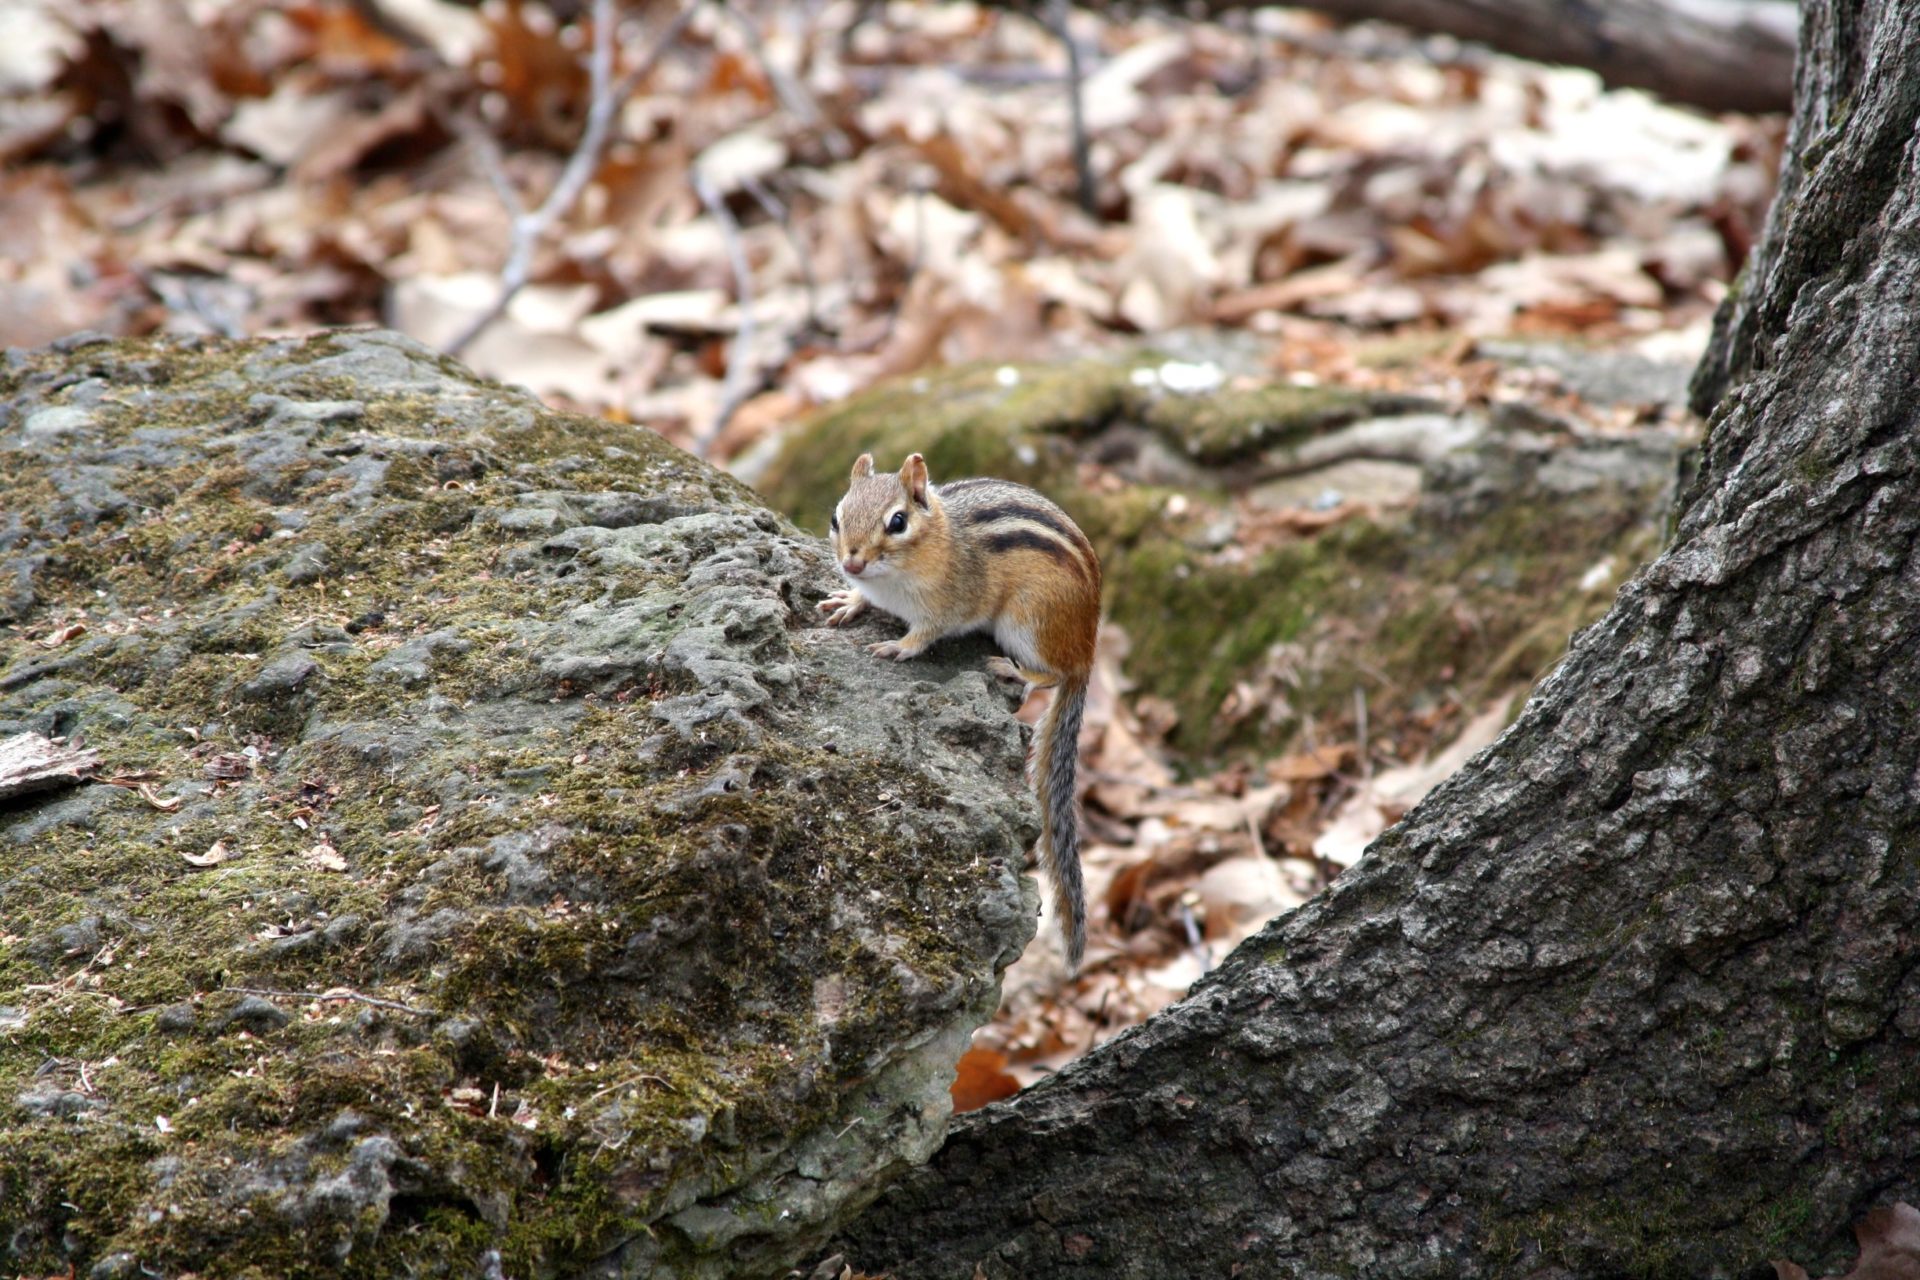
(569, 887)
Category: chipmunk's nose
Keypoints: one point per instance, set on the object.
(853, 565)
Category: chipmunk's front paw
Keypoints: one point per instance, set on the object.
(1004, 668)
(894, 649)
(843, 607)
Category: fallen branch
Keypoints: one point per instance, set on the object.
(332, 993)
(1733, 55)
(30, 762)
(740, 382)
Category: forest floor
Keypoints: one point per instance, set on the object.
(796, 202)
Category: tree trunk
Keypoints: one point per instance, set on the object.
(1843, 160)
(1638, 990)
(1722, 55)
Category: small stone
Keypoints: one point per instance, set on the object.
(64, 1103)
(342, 930)
(258, 1015)
(297, 943)
(176, 1018)
(344, 1127)
(115, 1266)
(530, 519)
(282, 675)
(69, 940)
(76, 341)
(57, 420)
(307, 563)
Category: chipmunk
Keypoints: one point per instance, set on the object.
(973, 555)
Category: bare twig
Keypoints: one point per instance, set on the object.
(1184, 914)
(1360, 732)
(1059, 13)
(792, 94)
(862, 13)
(1253, 830)
(70, 985)
(777, 210)
(743, 378)
(740, 383)
(629, 1081)
(605, 98)
(493, 165)
(914, 263)
(1324, 870)
(332, 993)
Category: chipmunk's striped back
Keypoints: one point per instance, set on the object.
(1012, 517)
(979, 554)
(1045, 571)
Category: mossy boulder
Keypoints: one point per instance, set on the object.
(1489, 535)
(507, 873)
(1020, 422)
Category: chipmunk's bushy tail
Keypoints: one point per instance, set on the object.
(1056, 753)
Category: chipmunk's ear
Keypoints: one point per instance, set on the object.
(913, 478)
(863, 466)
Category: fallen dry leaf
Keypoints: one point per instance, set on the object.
(165, 804)
(1311, 765)
(1240, 895)
(982, 1078)
(1889, 1239)
(1383, 798)
(228, 766)
(326, 857)
(216, 854)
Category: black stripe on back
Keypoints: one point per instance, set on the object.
(1018, 511)
(1032, 540)
(1039, 515)
(955, 486)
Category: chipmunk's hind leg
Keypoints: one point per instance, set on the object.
(1008, 669)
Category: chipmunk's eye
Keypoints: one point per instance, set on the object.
(833, 522)
(898, 524)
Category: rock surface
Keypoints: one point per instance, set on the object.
(508, 875)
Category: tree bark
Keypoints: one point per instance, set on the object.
(1845, 143)
(1721, 55)
(1638, 990)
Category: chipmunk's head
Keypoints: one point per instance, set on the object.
(885, 519)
